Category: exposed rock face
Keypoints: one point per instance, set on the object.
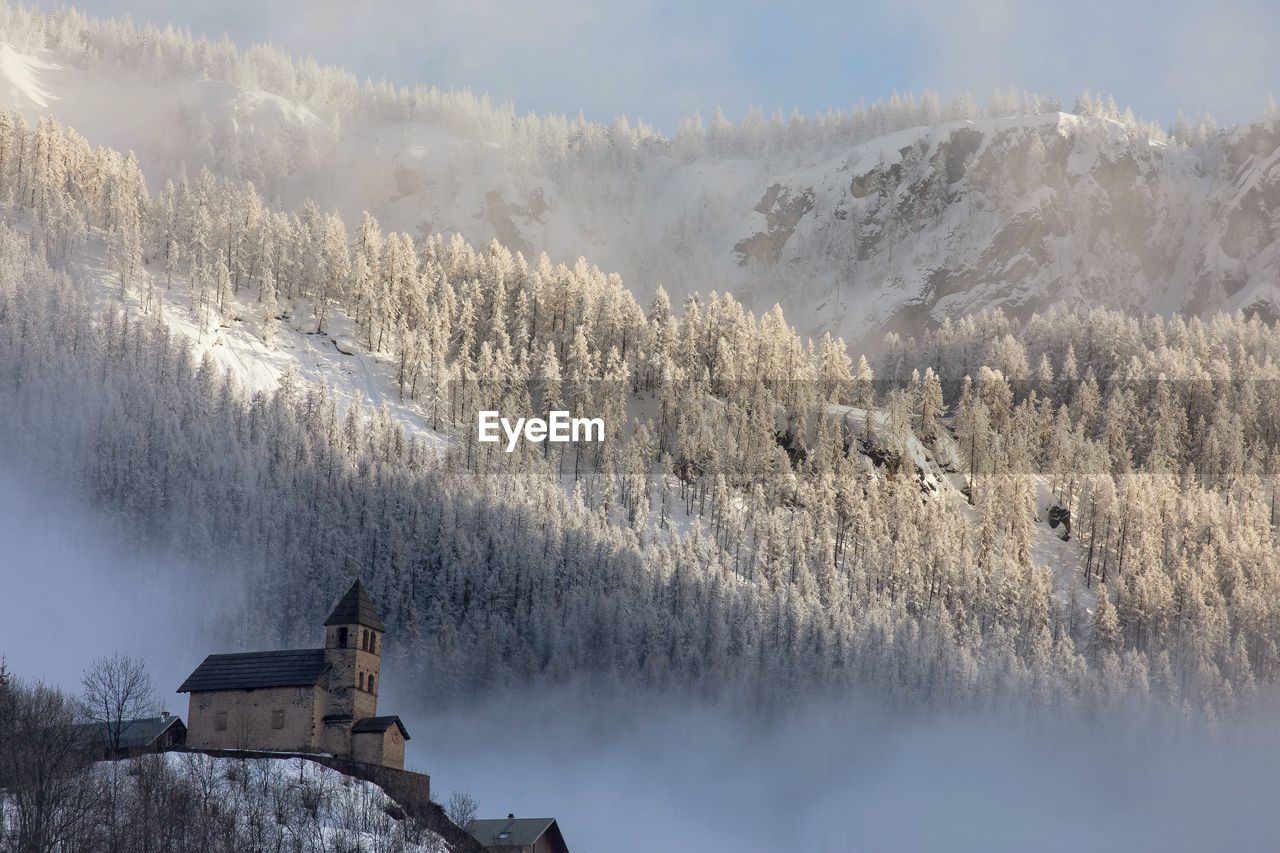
(1027, 215)
(1020, 214)
(502, 215)
(782, 213)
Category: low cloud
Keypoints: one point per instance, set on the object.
(838, 778)
(661, 60)
(1159, 59)
(72, 588)
(635, 774)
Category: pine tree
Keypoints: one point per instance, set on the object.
(334, 268)
(863, 385)
(1106, 626)
(270, 312)
(834, 371)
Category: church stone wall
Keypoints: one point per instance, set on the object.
(393, 748)
(335, 736)
(385, 748)
(252, 717)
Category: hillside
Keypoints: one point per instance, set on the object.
(55, 798)
(264, 803)
(765, 512)
(887, 218)
(829, 550)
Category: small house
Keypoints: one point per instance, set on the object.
(519, 835)
(136, 737)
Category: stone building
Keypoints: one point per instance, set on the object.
(301, 700)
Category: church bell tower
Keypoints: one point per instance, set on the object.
(353, 648)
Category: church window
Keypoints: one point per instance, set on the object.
(371, 677)
(277, 718)
(342, 638)
(220, 721)
(362, 681)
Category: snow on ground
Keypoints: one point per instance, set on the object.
(1063, 559)
(1048, 550)
(347, 813)
(236, 345)
(21, 71)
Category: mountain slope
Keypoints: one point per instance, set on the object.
(892, 218)
(806, 566)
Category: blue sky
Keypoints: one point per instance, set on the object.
(661, 60)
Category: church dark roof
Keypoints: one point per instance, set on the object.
(355, 608)
(254, 670)
(378, 725)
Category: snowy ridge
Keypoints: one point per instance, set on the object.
(1022, 212)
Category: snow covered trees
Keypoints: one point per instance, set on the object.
(334, 268)
(809, 547)
(126, 208)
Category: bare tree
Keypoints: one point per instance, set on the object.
(50, 801)
(117, 690)
(462, 808)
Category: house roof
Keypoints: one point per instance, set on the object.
(379, 724)
(253, 670)
(355, 608)
(519, 831)
(133, 733)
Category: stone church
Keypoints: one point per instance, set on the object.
(301, 700)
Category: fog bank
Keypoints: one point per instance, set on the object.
(837, 779)
(72, 587)
(634, 776)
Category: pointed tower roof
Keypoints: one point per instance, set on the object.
(355, 608)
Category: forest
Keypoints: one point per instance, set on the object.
(767, 516)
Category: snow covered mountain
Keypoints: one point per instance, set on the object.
(888, 217)
(880, 498)
(724, 466)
